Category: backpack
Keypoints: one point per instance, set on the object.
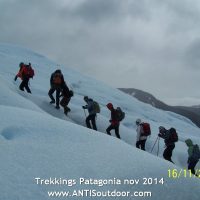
(173, 136)
(120, 115)
(96, 107)
(196, 152)
(145, 129)
(28, 71)
(31, 72)
(57, 79)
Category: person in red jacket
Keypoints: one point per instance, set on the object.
(114, 121)
(19, 72)
(25, 73)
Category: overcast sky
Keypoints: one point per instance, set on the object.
(153, 45)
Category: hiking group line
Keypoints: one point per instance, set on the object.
(143, 129)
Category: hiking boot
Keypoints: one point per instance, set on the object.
(57, 107)
(66, 110)
(52, 102)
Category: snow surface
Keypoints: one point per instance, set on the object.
(36, 140)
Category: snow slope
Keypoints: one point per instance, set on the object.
(36, 140)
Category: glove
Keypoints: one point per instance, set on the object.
(83, 107)
(110, 120)
(159, 135)
(15, 78)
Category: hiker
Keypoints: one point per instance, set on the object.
(25, 73)
(115, 122)
(143, 131)
(19, 72)
(56, 81)
(170, 137)
(92, 113)
(66, 94)
(193, 155)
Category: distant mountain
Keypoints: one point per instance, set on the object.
(192, 113)
(196, 107)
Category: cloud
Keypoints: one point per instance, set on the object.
(192, 55)
(143, 44)
(97, 10)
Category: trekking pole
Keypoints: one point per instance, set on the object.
(158, 146)
(154, 144)
(84, 112)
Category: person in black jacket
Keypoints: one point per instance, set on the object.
(66, 97)
(92, 114)
(170, 145)
(56, 82)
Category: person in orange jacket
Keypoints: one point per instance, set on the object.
(56, 82)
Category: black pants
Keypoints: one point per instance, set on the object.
(167, 154)
(141, 144)
(51, 91)
(24, 84)
(116, 128)
(92, 119)
(191, 165)
(65, 101)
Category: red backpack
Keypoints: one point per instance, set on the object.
(31, 72)
(173, 136)
(145, 129)
(28, 71)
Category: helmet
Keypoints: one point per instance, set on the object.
(138, 121)
(109, 106)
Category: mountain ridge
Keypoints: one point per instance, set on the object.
(191, 112)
